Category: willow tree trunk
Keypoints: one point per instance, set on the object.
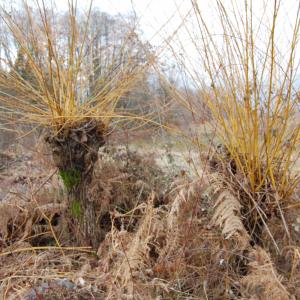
(75, 151)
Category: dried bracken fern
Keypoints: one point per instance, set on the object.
(21, 219)
(137, 255)
(184, 193)
(166, 249)
(8, 211)
(263, 281)
(167, 254)
(227, 216)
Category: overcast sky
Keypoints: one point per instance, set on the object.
(158, 19)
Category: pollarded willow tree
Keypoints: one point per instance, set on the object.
(246, 65)
(77, 76)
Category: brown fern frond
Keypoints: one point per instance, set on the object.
(184, 196)
(263, 282)
(227, 217)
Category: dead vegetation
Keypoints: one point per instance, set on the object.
(162, 238)
(85, 223)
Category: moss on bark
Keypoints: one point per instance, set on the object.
(75, 151)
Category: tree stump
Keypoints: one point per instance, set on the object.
(75, 152)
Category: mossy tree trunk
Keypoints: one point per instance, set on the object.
(75, 151)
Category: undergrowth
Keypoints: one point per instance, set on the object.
(184, 239)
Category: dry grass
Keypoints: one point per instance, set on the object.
(185, 246)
